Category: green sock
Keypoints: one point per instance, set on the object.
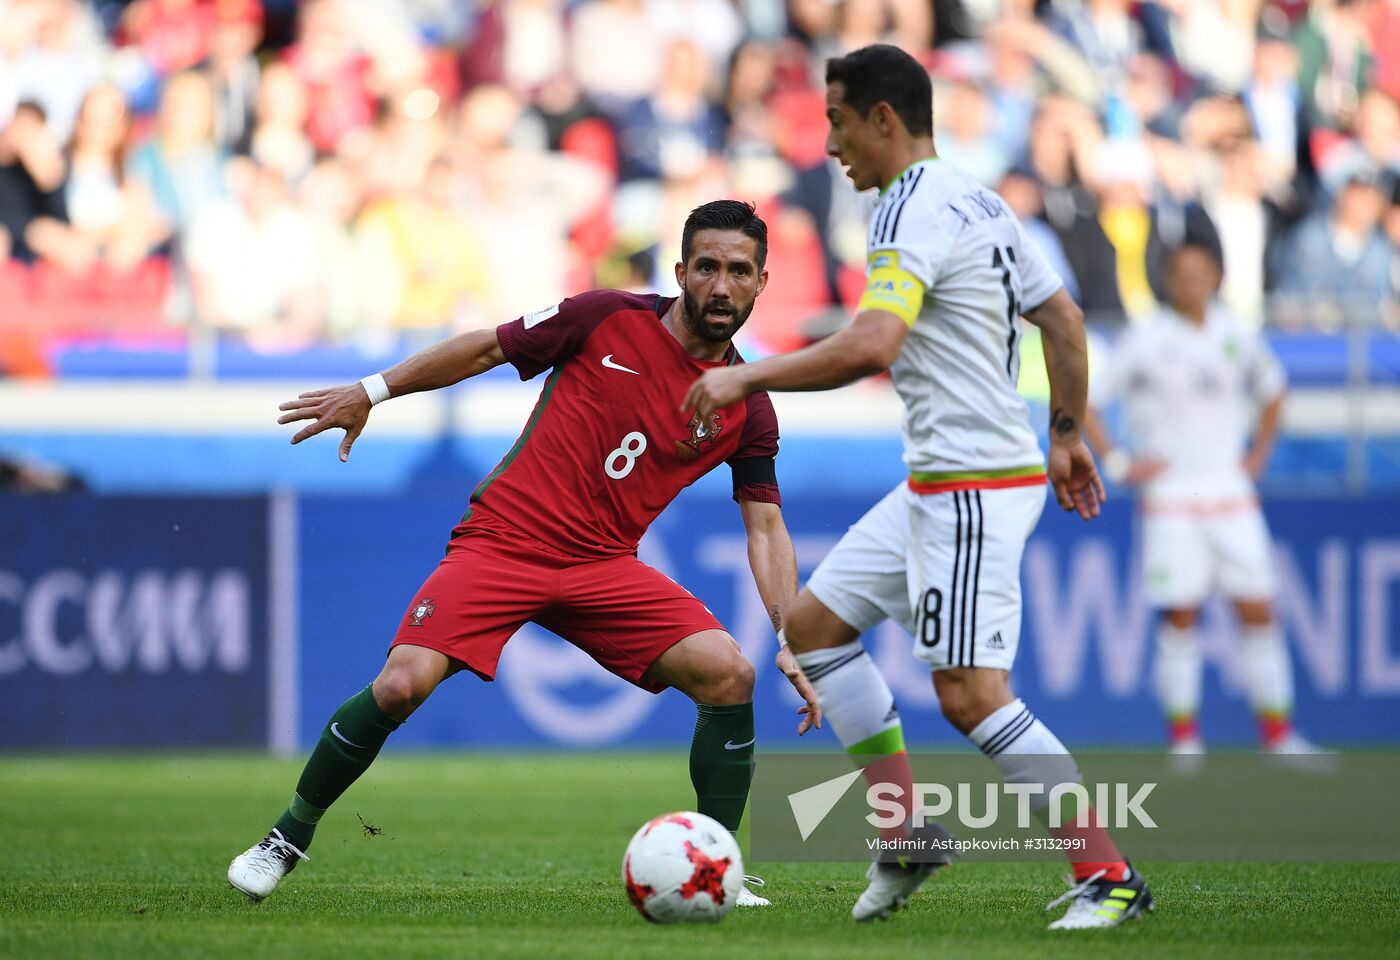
(721, 761)
(347, 747)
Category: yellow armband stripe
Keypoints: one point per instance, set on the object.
(891, 288)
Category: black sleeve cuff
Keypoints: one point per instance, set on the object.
(751, 470)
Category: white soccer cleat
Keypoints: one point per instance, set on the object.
(1096, 902)
(891, 885)
(1294, 742)
(747, 898)
(1297, 751)
(257, 871)
(894, 880)
(1188, 755)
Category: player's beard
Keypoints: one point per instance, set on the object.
(696, 323)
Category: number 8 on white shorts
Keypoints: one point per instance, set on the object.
(945, 566)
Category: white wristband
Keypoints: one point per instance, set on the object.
(782, 639)
(1116, 464)
(377, 389)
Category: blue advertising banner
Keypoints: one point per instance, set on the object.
(1085, 651)
(133, 622)
(147, 622)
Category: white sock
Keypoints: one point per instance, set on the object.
(1268, 674)
(856, 701)
(1024, 750)
(1177, 671)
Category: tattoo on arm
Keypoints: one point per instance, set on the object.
(1061, 423)
(777, 619)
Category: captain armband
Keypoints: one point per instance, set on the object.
(891, 288)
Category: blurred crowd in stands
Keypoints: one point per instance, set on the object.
(350, 170)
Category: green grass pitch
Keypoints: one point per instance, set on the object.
(495, 856)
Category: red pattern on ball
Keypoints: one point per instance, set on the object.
(708, 876)
(636, 892)
(670, 818)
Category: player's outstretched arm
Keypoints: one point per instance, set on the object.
(1265, 434)
(1073, 475)
(774, 566)
(347, 407)
(1116, 461)
(1119, 465)
(1096, 432)
(867, 347)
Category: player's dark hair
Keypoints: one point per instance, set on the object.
(1200, 245)
(725, 215)
(884, 72)
(34, 107)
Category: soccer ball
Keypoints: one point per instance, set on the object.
(683, 868)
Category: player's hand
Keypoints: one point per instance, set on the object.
(717, 389)
(1143, 470)
(812, 712)
(1075, 479)
(345, 407)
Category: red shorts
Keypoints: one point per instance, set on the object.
(493, 581)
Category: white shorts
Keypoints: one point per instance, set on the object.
(1187, 555)
(945, 566)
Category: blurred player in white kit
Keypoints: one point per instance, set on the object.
(1189, 382)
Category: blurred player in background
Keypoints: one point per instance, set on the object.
(950, 274)
(1189, 382)
(550, 536)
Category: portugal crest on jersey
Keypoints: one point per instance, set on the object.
(700, 434)
(422, 610)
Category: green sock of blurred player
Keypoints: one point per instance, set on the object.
(348, 745)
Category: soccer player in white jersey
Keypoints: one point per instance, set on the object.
(1189, 382)
(949, 277)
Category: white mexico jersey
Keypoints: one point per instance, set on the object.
(1189, 397)
(957, 371)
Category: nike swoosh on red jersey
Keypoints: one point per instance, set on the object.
(608, 362)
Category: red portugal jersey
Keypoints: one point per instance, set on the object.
(607, 447)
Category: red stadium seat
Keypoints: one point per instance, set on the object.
(796, 280)
(15, 293)
(800, 128)
(102, 301)
(592, 139)
(851, 282)
(61, 299)
(23, 344)
(135, 300)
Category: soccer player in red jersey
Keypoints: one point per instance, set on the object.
(550, 536)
